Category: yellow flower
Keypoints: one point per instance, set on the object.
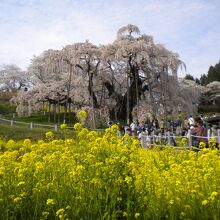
(2, 170)
(63, 126)
(80, 168)
(115, 127)
(17, 199)
(202, 144)
(10, 144)
(92, 135)
(82, 114)
(50, 202)
(128, 179)
(60, 213)
(78, 127)
(40, 142)
(68, 207)
(39, 166)
(26, 142)
(82, 134)
(69, 141)
(171, 201)
(183, 140)
(205, 202)
(214, 194)
(21, 183)
(137, 215)
(49, 135)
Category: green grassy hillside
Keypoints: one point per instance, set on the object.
(21, 132)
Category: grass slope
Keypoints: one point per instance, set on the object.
(22, 132)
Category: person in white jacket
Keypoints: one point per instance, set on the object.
(191, 122)
(144, 138)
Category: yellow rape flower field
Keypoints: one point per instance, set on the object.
(103, 176)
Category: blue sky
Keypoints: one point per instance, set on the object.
(189, 27)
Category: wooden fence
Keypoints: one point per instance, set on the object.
(146, 140)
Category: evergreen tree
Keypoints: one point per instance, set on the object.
(203, 80)
(197, 81)
(189, 77)
(214, 73)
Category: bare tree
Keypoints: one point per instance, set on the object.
(13, 78)
(87, 58)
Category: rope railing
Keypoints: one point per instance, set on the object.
(204, 137)
(34, 125)
(149, 140)
(30, 124)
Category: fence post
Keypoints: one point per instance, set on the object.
(190, 139)
(12, 122)
(31, 125)
(169, 142)
(160, 139)
(55, 127)
(13, 115)
(219, 139)
(153, 138)
(208, 135)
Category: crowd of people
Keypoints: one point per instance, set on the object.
(169, 129)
